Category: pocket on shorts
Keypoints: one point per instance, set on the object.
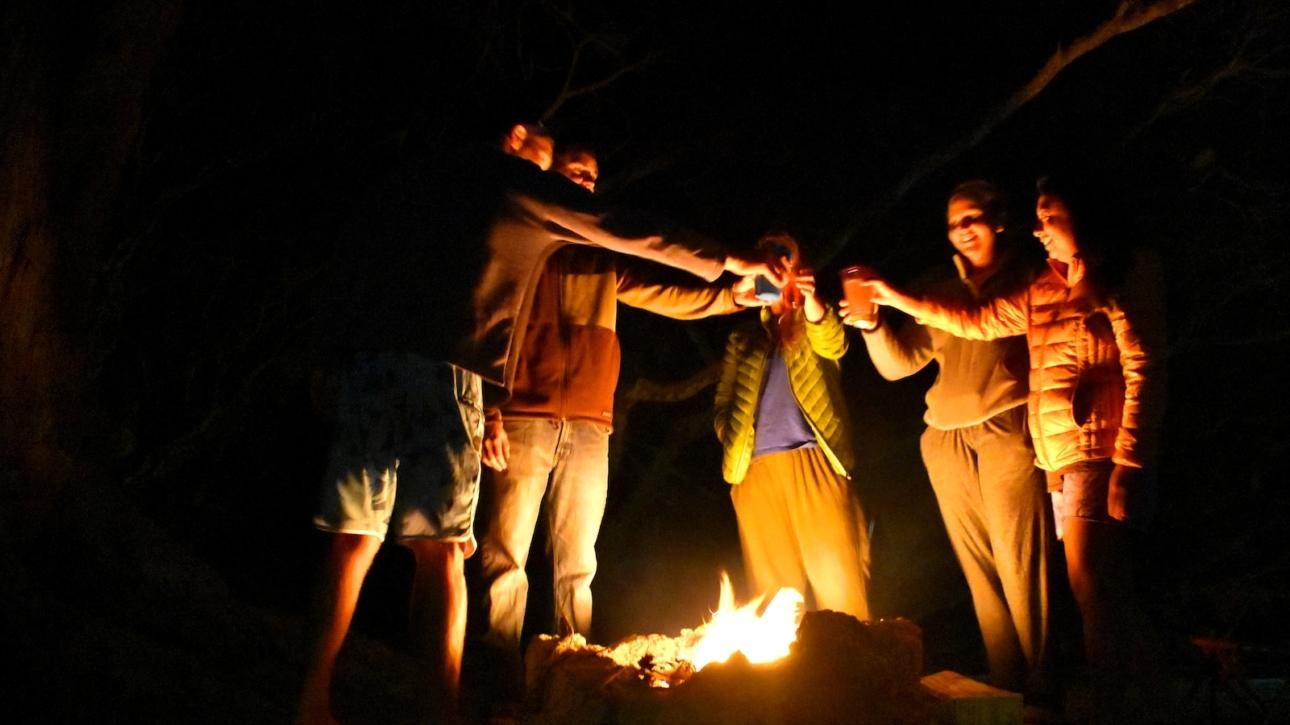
(470, 404)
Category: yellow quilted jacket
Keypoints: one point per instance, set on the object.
(814, 373)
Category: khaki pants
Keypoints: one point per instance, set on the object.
(992, 499)
(799, 523)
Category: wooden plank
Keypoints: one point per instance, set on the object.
(959, 700)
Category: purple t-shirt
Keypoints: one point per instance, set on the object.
(779, 425)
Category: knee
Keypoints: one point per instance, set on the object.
(448, 555)
(354, 546)
(1085, 585)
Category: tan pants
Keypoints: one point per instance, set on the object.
(801, 522)
(993, 502)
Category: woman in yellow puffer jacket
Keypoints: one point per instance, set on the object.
(782, 420)
(1094, 323)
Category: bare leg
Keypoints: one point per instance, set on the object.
(1118, 640)
(347, 564)
(438, 614)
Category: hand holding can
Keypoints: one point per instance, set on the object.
(859, 296)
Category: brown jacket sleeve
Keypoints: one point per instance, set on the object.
(638, 288)
(675, 247)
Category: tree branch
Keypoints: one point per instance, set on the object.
(1129, 16)
(568, 92)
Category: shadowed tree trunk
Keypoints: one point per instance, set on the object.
(72, 113)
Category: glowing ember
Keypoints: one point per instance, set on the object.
(761, 637)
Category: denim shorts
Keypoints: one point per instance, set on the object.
(1080, 492)
(405, 459)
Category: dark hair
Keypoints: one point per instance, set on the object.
(1102, 231)
(987, 197)
(1021, 259)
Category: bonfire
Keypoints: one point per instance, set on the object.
(749, 663)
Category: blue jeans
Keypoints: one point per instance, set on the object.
(567, 464)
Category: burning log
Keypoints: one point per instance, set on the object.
(839, 670)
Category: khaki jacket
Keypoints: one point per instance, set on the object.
(1096, 384)
(814, 373)
(975, 379)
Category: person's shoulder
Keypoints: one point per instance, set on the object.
(1017, 272)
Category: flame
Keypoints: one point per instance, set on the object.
(762, 638)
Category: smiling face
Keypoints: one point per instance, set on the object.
(1054, 230)
(970, 232)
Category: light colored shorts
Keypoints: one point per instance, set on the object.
(405, 460)
(1080, 491)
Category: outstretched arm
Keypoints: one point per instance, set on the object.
(999, 317)
(639, 287)
(647, 238)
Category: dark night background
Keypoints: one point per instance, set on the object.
(180, 182)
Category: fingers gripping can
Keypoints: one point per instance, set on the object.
(859, 296)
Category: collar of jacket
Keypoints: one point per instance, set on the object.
(769, 320)
(1004, 269)
(1070, 274)
(961, 266)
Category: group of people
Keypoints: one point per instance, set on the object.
(1049, 389)
(516, 374)
(1050, 386)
